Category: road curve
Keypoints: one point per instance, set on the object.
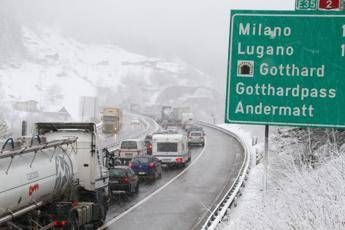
(185, 202)
(128, 131)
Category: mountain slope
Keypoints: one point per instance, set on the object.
(58, 70)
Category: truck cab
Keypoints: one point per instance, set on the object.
(187, 120)
(112, 120)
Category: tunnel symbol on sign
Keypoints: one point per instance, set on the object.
(245, 68)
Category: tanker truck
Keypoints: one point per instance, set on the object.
(54, 180)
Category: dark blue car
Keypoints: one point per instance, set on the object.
(147, 167)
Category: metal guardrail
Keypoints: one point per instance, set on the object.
(229, 198)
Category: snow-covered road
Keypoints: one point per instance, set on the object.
(184, 201)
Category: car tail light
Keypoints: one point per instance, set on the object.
(179, 160)
(74, 203)
(130, 164)
(59, 224)
(124, 180)
(152, 165)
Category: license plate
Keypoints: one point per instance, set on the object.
(166, 160)
(142, 173)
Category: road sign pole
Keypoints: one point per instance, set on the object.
(309, 142)
(266, 157)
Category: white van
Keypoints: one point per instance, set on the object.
(171, 149)
(131, 148)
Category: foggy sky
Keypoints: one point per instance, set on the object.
(195, 31)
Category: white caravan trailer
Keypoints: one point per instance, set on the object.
(171, 149)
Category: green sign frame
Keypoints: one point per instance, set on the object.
(286, 68)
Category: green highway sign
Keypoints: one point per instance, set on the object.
(306, 4)
(286, 68)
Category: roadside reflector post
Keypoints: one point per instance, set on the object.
(309, 141)
(24, 128)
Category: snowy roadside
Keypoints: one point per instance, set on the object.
(247, 136)
(298, 196)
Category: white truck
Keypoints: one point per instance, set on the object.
(171, 149)
(187, 120)
(54, 180)
(112, 119)
(177, 114)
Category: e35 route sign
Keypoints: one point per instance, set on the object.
(286, 68)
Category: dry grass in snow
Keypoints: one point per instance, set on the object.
(300, 195)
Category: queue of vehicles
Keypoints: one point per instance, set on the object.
(144, 159)
(58, 178)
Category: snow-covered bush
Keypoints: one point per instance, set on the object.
(299, 196)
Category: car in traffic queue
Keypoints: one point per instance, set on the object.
(135, 121)
(196, 138)
(146, 167)
(130, 148)
(122, 179)
(148, 143)
(195, 128)
(172, 129)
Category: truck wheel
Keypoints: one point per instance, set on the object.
(137, 188)
(130, 190)
(73, 222)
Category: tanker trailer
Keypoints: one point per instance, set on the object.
(54, 180)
